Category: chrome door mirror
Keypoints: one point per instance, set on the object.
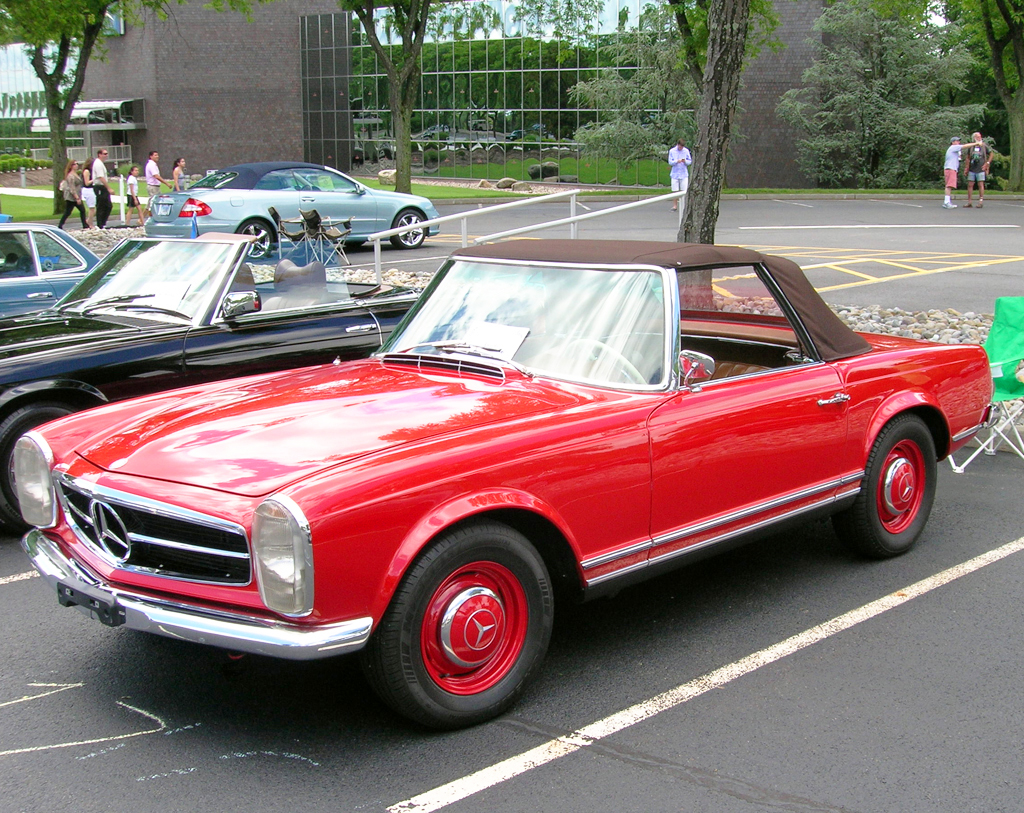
(695, 368)
(240, 303)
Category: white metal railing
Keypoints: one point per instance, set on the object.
(570, 221)
(574, 219)
(464, 217)
(119, 153)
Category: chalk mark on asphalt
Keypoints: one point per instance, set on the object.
(18, 577)
(554, 749)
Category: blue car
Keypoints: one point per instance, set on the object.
(38, 265)
(239, 199)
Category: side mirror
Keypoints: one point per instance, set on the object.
(240, 303)
(695, 368)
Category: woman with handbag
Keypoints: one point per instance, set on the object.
(71, 188)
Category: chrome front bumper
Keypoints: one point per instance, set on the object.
(241, 633)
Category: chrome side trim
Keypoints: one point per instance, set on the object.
(700, 546)
(700, 527)
(597, 561)
(175, 619)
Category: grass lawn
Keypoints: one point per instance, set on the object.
(22, 209)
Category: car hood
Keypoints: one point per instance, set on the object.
(43, 333)
(255, 436)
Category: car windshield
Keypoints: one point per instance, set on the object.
(215, 180)
(593, 325)
(173, 278)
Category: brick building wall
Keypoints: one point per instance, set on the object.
(218, 89)
(763, 150)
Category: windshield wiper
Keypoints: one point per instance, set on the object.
(112, 300)
(131, 306)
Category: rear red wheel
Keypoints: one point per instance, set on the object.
(893, 506)
(465, 630)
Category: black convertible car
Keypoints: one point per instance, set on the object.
(157, 314)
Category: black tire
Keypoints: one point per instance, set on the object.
(483, 581)
(265, 237)
(13, 427)
(897, 494)
(411, 239)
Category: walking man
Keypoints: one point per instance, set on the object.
(978, 159)
(99, 185)
(153, 181)
(679, 159)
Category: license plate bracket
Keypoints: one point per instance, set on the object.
(102, 606)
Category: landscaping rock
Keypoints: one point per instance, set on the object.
(388, 177)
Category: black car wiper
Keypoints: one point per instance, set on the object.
(112, 300)
(131, 306)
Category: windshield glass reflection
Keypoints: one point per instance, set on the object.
(176, 276)
(598, 326)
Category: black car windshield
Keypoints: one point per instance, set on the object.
(177, 277)
(595, 325)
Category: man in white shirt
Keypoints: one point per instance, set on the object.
(153, 180)
(100, 187)
(679, 159)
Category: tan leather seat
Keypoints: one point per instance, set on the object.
(297, 286)
(728, 369)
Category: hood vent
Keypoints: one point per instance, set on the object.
(452, 365)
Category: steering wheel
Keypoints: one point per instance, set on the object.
(627, 367)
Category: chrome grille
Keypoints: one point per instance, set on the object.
(158, 539)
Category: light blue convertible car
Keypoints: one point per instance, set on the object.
(239, 199)
(38, 265)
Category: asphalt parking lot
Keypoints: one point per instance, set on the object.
(784, 676)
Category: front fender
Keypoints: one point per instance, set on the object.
(459, 509)
(80, 390)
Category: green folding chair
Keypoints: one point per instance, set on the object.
(1005, 349)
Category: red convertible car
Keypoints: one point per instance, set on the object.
(551, 421)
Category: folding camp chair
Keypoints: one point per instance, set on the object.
(1005, 349)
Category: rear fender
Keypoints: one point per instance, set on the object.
(918, 402)
(464, 507)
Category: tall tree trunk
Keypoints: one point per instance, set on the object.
(1015, 118)
(728, 21)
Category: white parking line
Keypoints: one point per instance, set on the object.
(18, 577)
(898, 203)
(887, 226)
(570, 743)
(793, 203)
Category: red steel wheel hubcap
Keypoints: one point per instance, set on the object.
(901, 486)
(474, 628)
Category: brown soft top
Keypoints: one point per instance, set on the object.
(832, 339)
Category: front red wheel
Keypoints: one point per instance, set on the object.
(893, 506)
(465, 630)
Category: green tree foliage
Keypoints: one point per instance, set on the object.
(646, 102)
(997, 26)
(60, 37)
(872, 101)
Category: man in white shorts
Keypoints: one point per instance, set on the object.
(679, 159)
(153, 180)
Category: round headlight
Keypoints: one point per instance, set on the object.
(37, 497)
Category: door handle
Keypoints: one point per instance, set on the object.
(360, 328)
(40, 295)
(838, 398)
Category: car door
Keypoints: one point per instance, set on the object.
(744, 452)
(280, 340)
(337, 198)
(22, 288)
(59, 265)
